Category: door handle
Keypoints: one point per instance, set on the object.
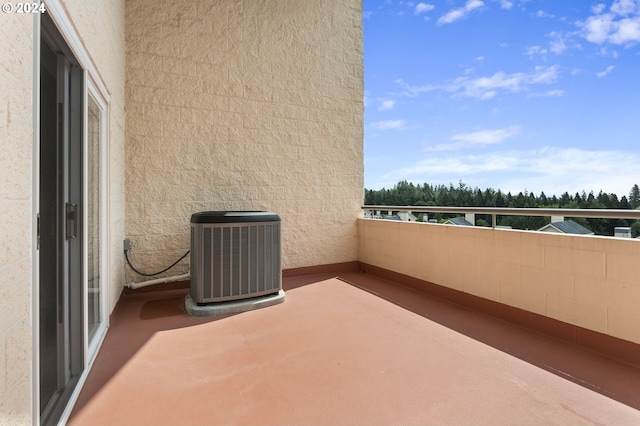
(71, 220)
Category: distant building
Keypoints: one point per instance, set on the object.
(460, 221)
(370, 214)
(622, 232)
(401, 216)
(566, 227)
(407, 217)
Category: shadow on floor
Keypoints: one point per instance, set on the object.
(142, 313)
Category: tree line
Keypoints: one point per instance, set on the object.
(407, 194)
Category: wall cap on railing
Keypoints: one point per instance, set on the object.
(506, 211)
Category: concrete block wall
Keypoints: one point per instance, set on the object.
(16, 154)
(244, 105)
(588, 281)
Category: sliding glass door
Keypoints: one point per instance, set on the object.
(61, 343)
(71, 226)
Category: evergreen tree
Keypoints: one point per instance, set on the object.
(624, 203)
(406, 193)
(613, 202)
(478, 199)
(489, 197)
(634, 197)
(543, 200)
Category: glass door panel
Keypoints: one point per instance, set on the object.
(94, 283)
(61, 257)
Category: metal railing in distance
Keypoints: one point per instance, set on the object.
(506, 211)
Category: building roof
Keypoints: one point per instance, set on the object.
(568, 227)
(407, 216)
(459, 221)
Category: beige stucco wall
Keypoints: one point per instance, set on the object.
(244, 105)
(16, 144)
(588, 281)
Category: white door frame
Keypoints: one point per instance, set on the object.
(98, 91)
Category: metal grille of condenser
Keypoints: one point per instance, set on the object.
(231, 261)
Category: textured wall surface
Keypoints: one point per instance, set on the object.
(588, 281)
(16, 144)
(244, 105)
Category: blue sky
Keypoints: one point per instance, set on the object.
(536, 95)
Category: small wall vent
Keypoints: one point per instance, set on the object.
(234, 255)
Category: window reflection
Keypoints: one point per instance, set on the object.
(93, 215)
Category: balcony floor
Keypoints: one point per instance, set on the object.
(355, 350)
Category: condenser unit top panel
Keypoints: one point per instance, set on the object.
(234, 217)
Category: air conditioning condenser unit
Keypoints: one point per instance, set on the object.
(234, 255)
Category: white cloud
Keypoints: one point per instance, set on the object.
(459, 13)
(549, 169)
(558, 43)
(451, 16)
(457, 167)
(625, 7)
(548, 94)
(604, 51)
(487, 87)
(423, 8)
(389, 124)
(605, 72)
(535, 50)
(506, 4)
(544, 75)
(413, 91)
(387, 104)
(598, 8)
(628, 31)
(620, 27)
(571, 169)
(596, 28)
(478, 138)
(543, 14)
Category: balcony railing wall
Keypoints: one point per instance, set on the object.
(589, 281)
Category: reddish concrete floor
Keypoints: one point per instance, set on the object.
(370, 352)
